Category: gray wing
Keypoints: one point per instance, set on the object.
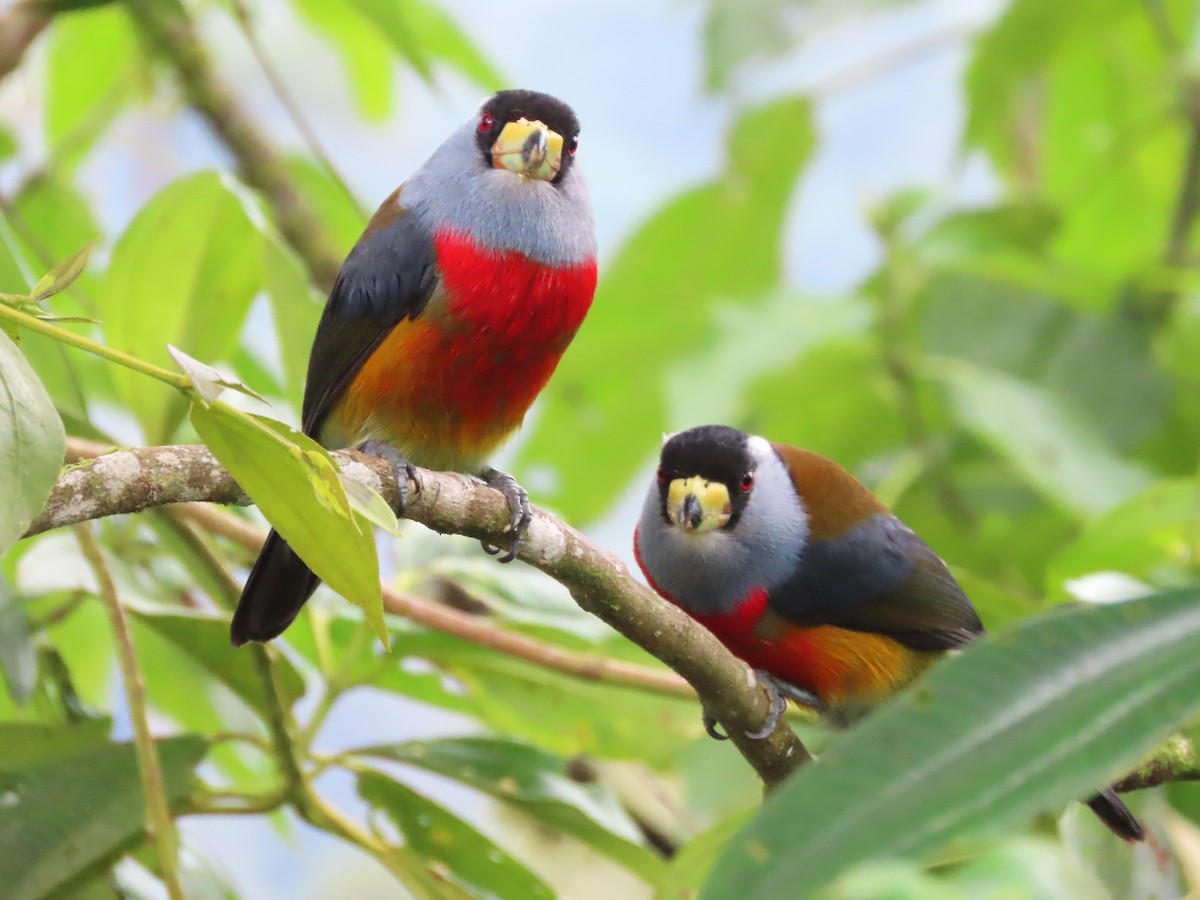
(879, 577)
(388, 277)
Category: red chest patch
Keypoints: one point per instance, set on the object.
(450, 385)
(510, 299)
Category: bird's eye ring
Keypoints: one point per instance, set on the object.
(485, 123)
(573, 146)
(747, 481)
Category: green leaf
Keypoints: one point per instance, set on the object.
(93, 70)
(8, 143)
(716, 244)
(205, 639)
(368, 505)
(447, 845)
(29, 745)
(1057, 454)
(183, 273)
(535, 782)
(295, 308)
(1014, 726)
(421, 32)
(295, 483)
(32, 444)
(60, 820)
(18, 655)
(562, 714)
(1150, 537)
(364, 50)
(208, 381)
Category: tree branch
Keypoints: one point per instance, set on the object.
(132, 480)
(168, 27)
(1176, 760)
(19, 28)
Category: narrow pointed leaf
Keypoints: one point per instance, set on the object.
(32, 444)
(1024, 723)
(296, 486)
(446, 844)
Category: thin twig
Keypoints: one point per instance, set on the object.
(1176, 760)
(159, 824)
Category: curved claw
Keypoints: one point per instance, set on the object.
(521, 513)
(710, 725)
(402, 469)
(777, 708)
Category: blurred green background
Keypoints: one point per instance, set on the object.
(950, 244)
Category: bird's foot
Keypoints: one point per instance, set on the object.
(779, 692)
(518, 504)
(401, 468)
(710, 725)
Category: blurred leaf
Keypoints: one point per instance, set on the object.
(425, 30)
(342, 217)
(449, 847)
(84, 643)
(8, 143)
(1037, 339)
(1154, 536)
(685, 873)
(295, 484)
(1075, 104)
(18, 656)
(205, 639)
(736, 31)
(364, 50)
(535, 782)
(1013, 726)
(1057, 454)
(295, 310)
(51, 211)
(715, 244)
(1147, 869)
(92, 71)
(563, 714)
(28, 745)
(184, 272)
(32, 444)
(208, 381)
(62, 819)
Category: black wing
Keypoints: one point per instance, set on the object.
(879, 577)
(388, 277)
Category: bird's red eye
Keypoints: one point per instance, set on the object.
(485, 123)
(662, 477)
(573, 145)
(747, 481)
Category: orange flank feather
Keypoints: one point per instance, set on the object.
(844, 668)
(835, 499)
(450, 385)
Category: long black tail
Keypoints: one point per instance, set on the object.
(1116, 815)
(278, 586)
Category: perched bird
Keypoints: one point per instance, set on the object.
(447, 318)
(803, 573)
